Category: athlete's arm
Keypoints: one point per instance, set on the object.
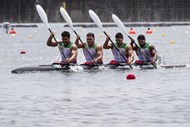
(106, 44)
(130, 54)
(99, 51)
(153, 54)
(79, 45)
(73, 54)
(49, 41)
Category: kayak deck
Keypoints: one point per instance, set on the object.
(173, 66)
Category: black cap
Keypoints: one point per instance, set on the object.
(141, 37)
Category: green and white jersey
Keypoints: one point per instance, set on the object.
(92, 51)
(146, 50)
(66, 50)
(117, 55)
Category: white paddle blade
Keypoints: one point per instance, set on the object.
(96, 19)
(119, 23)
(66, 17)
(42, 15)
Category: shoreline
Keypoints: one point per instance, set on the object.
(107, 24)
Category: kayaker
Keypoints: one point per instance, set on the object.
(92, 51)
(6, 26)
(67, 48)
(143, 50)
(125, 53)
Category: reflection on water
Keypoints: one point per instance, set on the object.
(93, 98)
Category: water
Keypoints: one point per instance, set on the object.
(93, 98)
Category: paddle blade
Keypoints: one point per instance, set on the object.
(96, 19)
(42, 15)
(66, 17)
(118, 23)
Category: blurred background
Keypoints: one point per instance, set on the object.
(24, 11)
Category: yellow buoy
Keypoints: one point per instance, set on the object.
(64, 5)
(163, 34)
(172, 42)
(30, 36)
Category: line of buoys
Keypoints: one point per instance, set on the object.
(132, 31)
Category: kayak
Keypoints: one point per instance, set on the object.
(75, 67)
(40, 68)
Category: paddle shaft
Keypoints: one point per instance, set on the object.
(117, 49)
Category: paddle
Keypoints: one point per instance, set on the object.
(44, 19)
(122, 27)
(97, 21)
(70, 23)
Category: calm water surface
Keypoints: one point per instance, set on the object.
(101, 98)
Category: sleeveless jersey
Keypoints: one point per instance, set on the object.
(146, 50)
(66, 50)
(117, 55)
(92, 51)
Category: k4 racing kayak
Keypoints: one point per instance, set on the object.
(76, 67)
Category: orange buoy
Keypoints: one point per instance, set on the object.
(149, 31)
(130, 76)
(12, 32)
(132, 31)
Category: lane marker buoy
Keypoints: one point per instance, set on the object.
(130, 76)
(23, 52)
